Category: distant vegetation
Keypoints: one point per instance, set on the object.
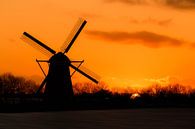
(171, 95)
(14, 88)
(11, 85)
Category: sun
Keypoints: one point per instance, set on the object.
(135, 95)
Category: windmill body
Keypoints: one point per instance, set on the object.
(58, 85)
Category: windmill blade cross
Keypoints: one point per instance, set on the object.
(73, 35)
(84, 73)
(30, 38)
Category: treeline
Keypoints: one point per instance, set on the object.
(18, 90)
(165, 96)
(12, 85)
(173, 95)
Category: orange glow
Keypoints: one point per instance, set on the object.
(135, 95)
(136, 45)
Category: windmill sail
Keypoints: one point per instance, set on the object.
(87, 73)
(73, 35)
(58, 84)
(41, 86)
(37, 44)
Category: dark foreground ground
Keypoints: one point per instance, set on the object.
(148, 118)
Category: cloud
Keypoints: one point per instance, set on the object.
(180, 4)
(145, 38)
(132, 2)
(192, 45)
(150, 20)
(164, 81)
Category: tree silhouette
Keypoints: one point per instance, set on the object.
(11, 85)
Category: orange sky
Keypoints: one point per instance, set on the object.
(127, 42)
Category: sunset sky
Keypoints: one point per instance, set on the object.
(129, 43)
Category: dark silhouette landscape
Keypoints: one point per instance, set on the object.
(18, 95)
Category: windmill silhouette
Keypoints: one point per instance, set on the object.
(58, 84)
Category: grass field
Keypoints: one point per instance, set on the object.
(170, 118)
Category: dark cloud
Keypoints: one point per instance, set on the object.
(150, 20)
(145, 38)
(132, 2)
(180, 4)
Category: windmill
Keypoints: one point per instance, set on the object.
(58, 84)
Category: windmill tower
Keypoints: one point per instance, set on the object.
(58, 84)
